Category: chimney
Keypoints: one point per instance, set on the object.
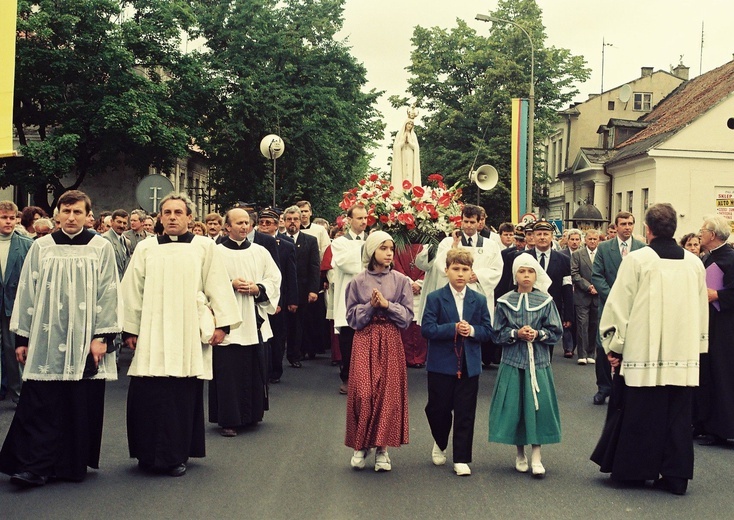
(646, 72)
(681, 71)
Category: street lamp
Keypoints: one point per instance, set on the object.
(531, 102)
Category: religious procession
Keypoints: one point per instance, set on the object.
(409, 277)
(208, 307)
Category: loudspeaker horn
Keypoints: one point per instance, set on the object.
(485, 177)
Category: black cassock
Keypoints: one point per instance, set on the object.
(714, 398)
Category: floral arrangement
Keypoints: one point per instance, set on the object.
(415, 215)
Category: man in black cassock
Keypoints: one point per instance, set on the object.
(64, 318)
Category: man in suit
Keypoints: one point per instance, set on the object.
(573, 243)
(120, 243)
(13, 249)
(268, 225)
(558, 268)
(609, 255)
(585, 298)
(137, 232)
(308, 273)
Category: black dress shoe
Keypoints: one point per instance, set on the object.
(599, 398)
(296, 364)
(26, 479)
(177, 471)
(274, 380)
(675, 485)
(712, 440)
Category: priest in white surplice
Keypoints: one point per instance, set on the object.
(238, 394)
(166, 276)
(487, 268)
(66, 313)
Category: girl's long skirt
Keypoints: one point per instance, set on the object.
(377, 398)
(513, 418)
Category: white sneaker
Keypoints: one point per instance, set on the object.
(461, 469)
(581, 361)
(521, 464)
(358, 459)
(591, 360)
(438, 456)
(382, 461)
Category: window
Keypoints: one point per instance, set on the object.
(645, 199)
(560, 156)
(610, 105)
(642, 102)
(629, 201)
(618, 202)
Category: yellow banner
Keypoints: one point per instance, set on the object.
(8, 15)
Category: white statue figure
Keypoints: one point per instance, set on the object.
(406, 162)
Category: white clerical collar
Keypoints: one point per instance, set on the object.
(174, 238)
(238, 242)
(74, 235)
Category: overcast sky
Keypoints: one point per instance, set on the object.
(643, 33)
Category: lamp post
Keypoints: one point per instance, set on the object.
(531, 103)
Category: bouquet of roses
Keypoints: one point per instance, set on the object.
(415, 215)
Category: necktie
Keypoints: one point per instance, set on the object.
(124, 245)
(624, 249)
(468, 241)
(542, 260)
(358, 238)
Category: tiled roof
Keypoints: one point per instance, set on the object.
(679, 109)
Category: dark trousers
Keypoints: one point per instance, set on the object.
(346, 336)
(447, 394)
(278, 323)
(314, 341)
(603, 369)
(295, 321)
(9, 366)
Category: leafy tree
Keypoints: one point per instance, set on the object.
(466, 82)
(100, 82)
(280, 70)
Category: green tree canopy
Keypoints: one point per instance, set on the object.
(98, 81)
(280, 70)
(466, 81)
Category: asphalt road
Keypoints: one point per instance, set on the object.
(294, 465)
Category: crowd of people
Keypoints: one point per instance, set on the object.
(227, 298)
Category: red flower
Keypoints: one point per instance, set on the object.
(444, 200)
(362, 182)
(455, 220)
(441, 185)
(435, 177)
(397, 204)
(384, 219)
(373, 177)
(432, 211)
(386, 195)
(365, 195)
(407, 185)
(420, 206)
(417, 190)
(371, 220)
(407, 220)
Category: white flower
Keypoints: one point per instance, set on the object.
(46, 327)
(70, 369)
(83, 306)
(62, 347)
(44, 369)
(31, 310)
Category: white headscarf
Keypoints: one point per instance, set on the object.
(542, 282)
(373, 241)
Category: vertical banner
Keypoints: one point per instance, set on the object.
(519, 160)
(8, 15)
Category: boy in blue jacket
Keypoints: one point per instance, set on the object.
(456, 322)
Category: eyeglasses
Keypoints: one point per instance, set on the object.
(266, 222)
(704, 229)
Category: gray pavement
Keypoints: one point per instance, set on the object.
(294, 465)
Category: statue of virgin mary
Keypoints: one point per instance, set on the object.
(406, 162)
